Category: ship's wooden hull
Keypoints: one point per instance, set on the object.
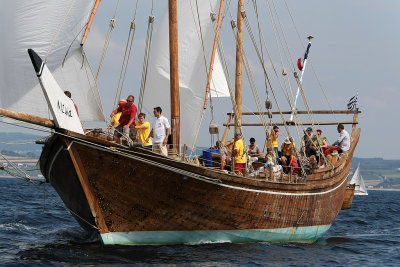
(138, 197)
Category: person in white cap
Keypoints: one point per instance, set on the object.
(287, 147)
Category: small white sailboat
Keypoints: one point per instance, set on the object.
(358, 181)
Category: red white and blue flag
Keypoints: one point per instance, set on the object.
(299, 65)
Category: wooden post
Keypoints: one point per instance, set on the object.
(174, 75)
(227, 128)
(355, 122)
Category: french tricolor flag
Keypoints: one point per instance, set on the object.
(299, 65)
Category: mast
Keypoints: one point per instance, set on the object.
(89, 24)
(239, 68)
(174, 75)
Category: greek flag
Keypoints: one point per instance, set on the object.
(352, 103)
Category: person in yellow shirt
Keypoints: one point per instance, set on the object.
(273, 140)
(143, 129)
(240, 158)
(115, 120)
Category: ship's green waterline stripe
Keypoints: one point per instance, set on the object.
(291, 234)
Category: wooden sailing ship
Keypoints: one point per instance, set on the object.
(130, 195)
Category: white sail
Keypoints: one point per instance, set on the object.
(356, 177)
(363, 188)
(360, 188)
(192, 68)
(35, 24)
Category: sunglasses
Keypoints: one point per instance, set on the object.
(129, 100)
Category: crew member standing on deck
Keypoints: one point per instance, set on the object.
(273, 140)
(143, 130)
(127, 120)
(160, 132)
(240, 158)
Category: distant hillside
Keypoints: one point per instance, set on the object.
(21, 144)
(376, 163)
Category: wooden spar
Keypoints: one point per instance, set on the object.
(89, 24)
(174, 75)
(27, 118)
(221, 6)
(226, 132)
(239, 67)
(303, 112)
(288, 123)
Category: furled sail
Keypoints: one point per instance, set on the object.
(192, 68)
(35, 24)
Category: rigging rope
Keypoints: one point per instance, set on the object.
(107, 42)
(312, 67)
(149, 39)
(125, 62)
(200, 35)
(58, 30)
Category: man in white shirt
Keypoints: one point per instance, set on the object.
(160, 132)
(344, 139)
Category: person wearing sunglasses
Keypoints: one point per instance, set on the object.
(127, 120)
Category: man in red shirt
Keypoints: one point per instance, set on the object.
(127, 120)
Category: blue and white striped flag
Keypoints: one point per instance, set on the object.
(352, 103)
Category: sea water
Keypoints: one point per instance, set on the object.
(36, 230)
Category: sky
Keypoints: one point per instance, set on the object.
(355, 49)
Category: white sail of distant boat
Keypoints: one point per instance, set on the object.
(192, 68)
(357, 179)
(34, 24)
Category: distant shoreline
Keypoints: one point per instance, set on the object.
(383, 189)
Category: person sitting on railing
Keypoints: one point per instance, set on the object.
(224, 155)
(254, 151)
(308, 144)
(269, 160)
(318, 143)
(343, 140)
(286, 151)
(294, 165)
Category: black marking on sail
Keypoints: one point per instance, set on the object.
(36, 61)
(64, 109)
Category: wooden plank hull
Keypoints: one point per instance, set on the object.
(138, 197)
